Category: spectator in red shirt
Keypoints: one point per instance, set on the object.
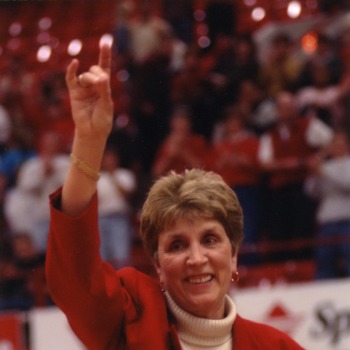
(284, 152)
(235, 159)
(181, 149)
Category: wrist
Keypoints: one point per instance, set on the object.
(90, 139)
(85, 168)
(90, 150)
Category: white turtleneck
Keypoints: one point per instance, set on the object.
(196, 333)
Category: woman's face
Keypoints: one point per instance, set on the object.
(195, 265)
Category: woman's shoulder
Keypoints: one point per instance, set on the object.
(132, 275)
(139, 282)
(262, 336)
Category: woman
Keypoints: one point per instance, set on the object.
(235, 158)
(114, 188)
(192, 227)
(329, 184)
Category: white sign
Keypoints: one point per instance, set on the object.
(5, 345)
(316, 315)
(49, 329)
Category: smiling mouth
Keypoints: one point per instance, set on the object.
(200, 279)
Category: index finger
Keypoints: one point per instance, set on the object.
(105, 57)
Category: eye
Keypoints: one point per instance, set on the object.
(210, 239)
(176, 246)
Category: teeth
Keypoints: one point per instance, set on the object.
(202, 279)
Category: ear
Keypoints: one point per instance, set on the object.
(234, 260)
(157, 267)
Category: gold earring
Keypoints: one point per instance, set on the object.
(235, 277)
(161, 285)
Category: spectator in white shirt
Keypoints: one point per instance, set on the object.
(115, 187)
(329, 183)
(37, 178)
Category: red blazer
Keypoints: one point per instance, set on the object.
(295, 147)
(124, 309)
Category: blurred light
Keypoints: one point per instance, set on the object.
(45, 23)
(258, 14)
(1, 50)
(44, 53)
(106, 39)
(199, 15)
(249, 2)
(309, 42)
(15, 29)
(203, 42)
(122, 121)
(294, 9)
(43, 38)
(14, 44)
(123, 75)
(74, 47)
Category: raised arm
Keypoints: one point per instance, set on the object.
(92, 113)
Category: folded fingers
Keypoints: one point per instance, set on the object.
(91, 77)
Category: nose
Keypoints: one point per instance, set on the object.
(196, 255)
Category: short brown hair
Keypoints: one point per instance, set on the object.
(191, 194)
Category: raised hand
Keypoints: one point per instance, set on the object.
(92, 113)
(90, 96)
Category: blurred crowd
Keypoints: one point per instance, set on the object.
(275, 127)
